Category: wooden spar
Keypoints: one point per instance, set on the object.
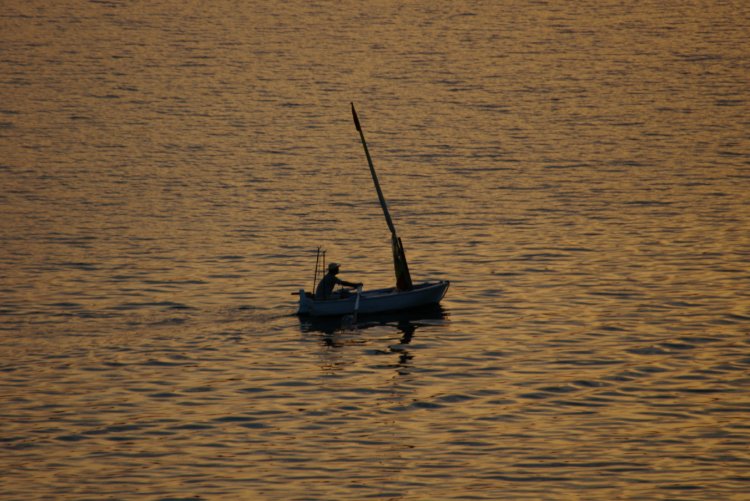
(388, 219)
(315, 279)
(403, 277)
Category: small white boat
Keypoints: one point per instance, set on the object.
(405, 295)
(374, 301)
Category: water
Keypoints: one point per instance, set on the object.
(580, 173)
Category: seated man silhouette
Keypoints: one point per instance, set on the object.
(329, 281)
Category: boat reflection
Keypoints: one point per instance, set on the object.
(406, 321)
(336, 333)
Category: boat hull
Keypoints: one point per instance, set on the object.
(375, 301)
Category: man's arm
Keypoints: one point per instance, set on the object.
(349, 284)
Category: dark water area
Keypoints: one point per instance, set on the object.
(580, 173)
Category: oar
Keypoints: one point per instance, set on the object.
(403, 277)
(356, 304)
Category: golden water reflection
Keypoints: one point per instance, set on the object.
(579, 173)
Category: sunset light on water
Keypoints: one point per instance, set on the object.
(579, 172)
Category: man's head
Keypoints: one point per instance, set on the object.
(333, 268)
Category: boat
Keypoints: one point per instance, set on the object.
(404, 296)
(374, 301)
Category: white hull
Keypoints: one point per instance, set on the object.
(375, 301)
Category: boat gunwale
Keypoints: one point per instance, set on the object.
(381, 293)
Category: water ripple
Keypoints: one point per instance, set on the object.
(578, 172)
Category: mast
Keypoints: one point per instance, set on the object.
(403, 277)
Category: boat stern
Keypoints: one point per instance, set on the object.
(305, 303)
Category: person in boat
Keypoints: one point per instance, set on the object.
(329, 281)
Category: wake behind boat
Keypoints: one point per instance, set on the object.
(405, 295)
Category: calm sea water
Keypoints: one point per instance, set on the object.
(580, 173)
